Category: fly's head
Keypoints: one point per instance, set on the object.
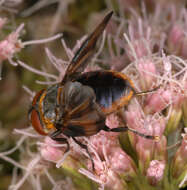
(44, 110)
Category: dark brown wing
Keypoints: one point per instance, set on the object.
(80, 60)
(79, 115)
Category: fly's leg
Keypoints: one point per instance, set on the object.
(123, 129)
(59, 139)
(86, 148)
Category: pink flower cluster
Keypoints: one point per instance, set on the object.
(11, 44)
(122, 158)
(148, 47)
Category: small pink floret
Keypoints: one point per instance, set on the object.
(158, 101)
(50, 152)
(120, 161)
(147, 71)
(9, 46)
(155, 171)
(176, 34)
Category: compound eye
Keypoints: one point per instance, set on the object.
(36, 122)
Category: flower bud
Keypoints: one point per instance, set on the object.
(157, 101)
(134, 120)
(155, 172)
(144, 149)
(175, 114)
(175, 39)
(50, 152)
(121, 163)
(147, 71)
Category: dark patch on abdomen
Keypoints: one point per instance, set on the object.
(108, 88)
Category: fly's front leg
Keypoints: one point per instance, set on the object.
(86, 148)
(59, 139)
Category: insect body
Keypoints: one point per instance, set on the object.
(78, 106)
